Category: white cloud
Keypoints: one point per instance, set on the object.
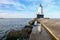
(47, 1)
(53, 14)
(48, 4)
(16, 5)
(50, 8)
(4, 2)
(16, 14)
(32, 0)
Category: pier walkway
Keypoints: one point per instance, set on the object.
(36, 35)
(50, 30)
(52, 26)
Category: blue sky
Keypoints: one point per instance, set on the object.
(29, 8)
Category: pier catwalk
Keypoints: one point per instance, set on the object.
(36, 35)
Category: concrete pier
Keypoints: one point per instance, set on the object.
(52, 26)
(32, 22)
(36, 35)
(50, 30)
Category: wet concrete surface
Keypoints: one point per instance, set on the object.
(36, 35)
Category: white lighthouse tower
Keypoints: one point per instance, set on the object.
(40, 12)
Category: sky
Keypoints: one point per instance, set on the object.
(29, 8)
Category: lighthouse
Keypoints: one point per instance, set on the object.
(40, 12)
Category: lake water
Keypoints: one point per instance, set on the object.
(9, 24)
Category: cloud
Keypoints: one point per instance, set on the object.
(8, 14)
(15, 15)
(50, 8)
(46, 1)
(26, 8)
(32, 0)
(48, 5)
(16, 5)
(53, 14)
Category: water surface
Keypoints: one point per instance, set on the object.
(9, 24)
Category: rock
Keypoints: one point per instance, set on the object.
(22, 34)
(28, 26)
(13, 35)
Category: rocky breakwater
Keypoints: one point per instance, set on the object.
(23, 34)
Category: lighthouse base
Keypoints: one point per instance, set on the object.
(40, 16)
